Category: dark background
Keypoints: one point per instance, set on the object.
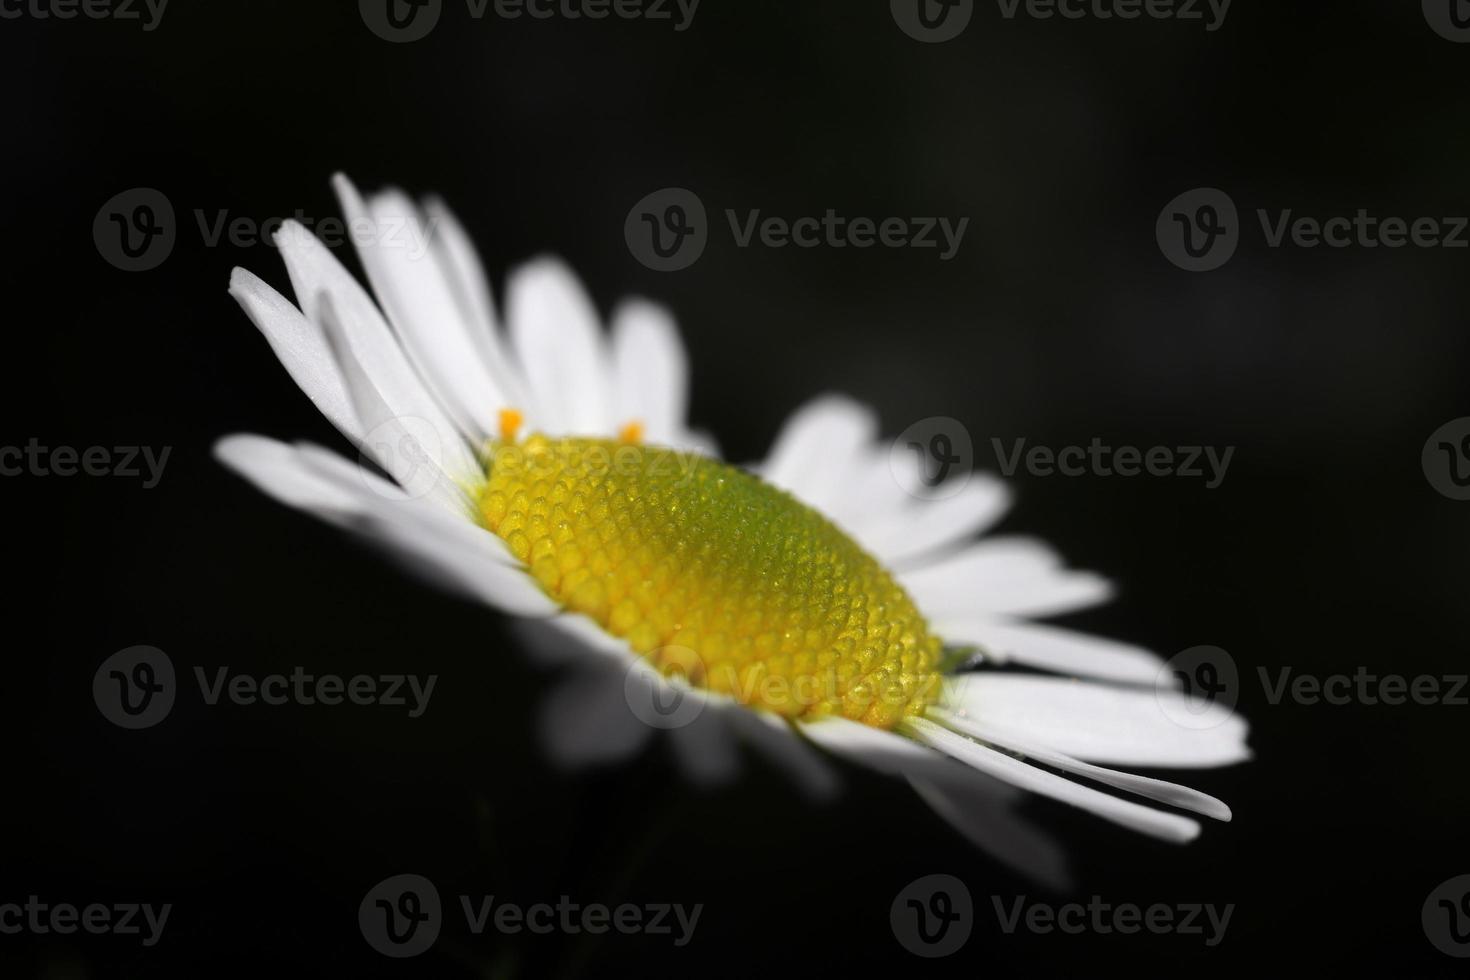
(1325, 549)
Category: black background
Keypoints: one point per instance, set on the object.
(1325, 549)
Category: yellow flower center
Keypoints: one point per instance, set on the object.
(710, 573)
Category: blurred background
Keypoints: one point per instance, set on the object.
(1060, 319)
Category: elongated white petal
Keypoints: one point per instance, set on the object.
(974, 803)
(650, 371)
(1153, 789)
(562, 354)
(420, 461)
(586, 722)
(926, 526)
(421, 304)
(465, 273)
(1155, 823)
(815, 452)
(301, 347)
(1098, 722)
(1002, 577)
(773, 737)
(706, 748)
(319, 279)
(276, 469)
(455, 554)
(1051, 648)
(985, 817)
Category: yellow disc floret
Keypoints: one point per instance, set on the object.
(713, 574)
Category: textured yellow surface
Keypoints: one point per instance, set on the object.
(713, 574)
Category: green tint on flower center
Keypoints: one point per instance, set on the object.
(713, 574)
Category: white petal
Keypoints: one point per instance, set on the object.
(706, 748)
(421, 304)
(276, 469)
(1051, 648)
(986, 819)
(301, 347)
(465, 273)
(651, 372)
(415, 453)
(1004, 577)
(1155, 823)
(562, 354)
(1097, 722)
(774, 738)
(458, 555)
(586, 721)
(818, 448)
(319, 279)
(975, 804)
(928, 525)
(1153, 789)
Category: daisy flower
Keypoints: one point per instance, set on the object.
(809, 605)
